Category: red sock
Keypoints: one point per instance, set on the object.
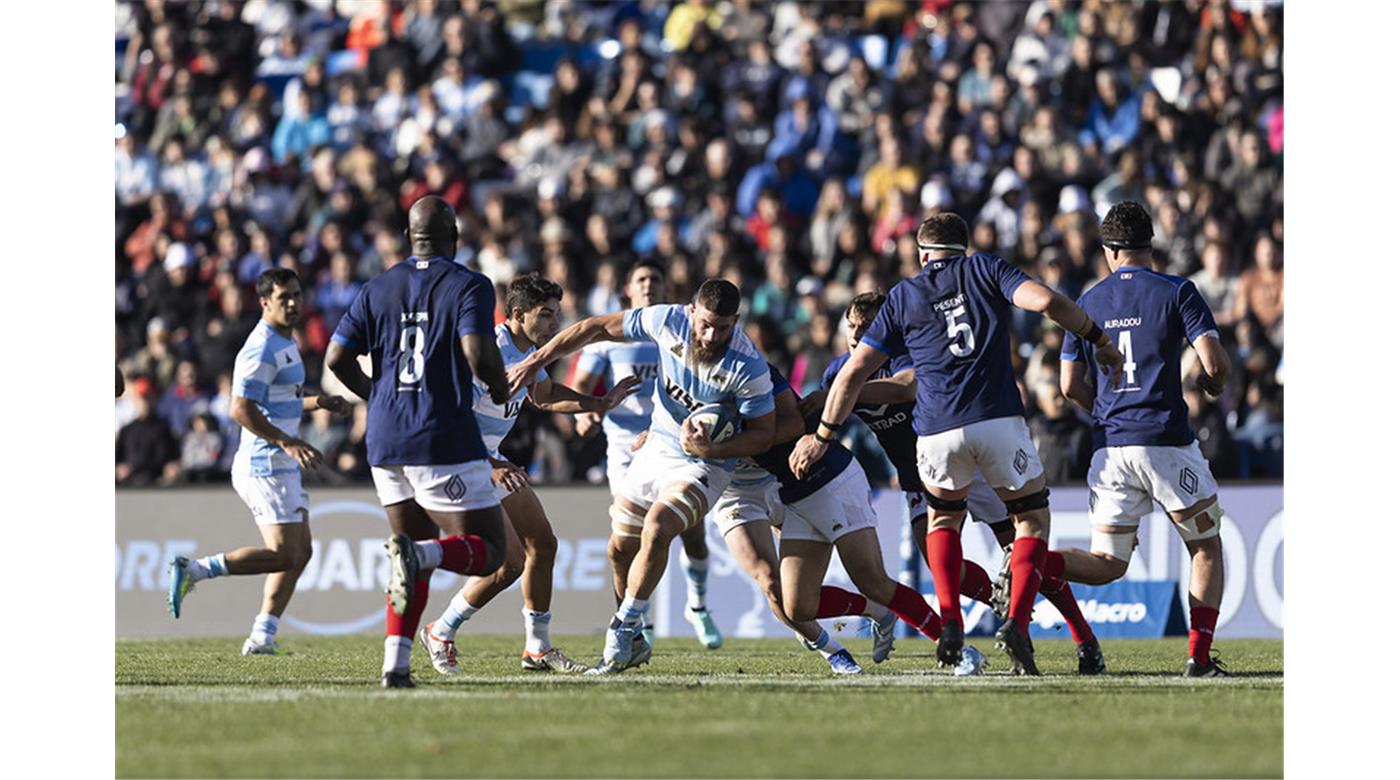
(945, 560)
(1054, 566)
(407, 624)
(1202, 632)
(912, 609)
(976, 585)
(1027, 562)
(836, 602)
(1057, 592)
(462, 553)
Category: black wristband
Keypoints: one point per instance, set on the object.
(832, 426)
(1095, 333)
(823, 439)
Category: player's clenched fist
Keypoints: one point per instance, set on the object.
(807, 451)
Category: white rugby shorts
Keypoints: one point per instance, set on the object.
(983, 504)
(619, 457)
(460, 487)
(1001, 448)
(275, 499)
(1124, 481)
(657, 466)
(742, 504)
(838, 508)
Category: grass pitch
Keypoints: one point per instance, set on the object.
(755, 708)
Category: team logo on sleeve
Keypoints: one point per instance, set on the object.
(1188, 481)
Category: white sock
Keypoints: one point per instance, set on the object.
(264, 629)
(208, 567)
(825, 645)
(536, 631)
(396, 653)
(875, 610)
(631, 609)
(695, 571)
(429, 554)
(458, 611)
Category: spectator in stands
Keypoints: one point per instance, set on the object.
(147, 452)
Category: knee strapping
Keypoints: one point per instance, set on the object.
(625, 522)
(689, 507)
(1120, 546)
(1203, 525)
(960, 505)
(1030, 503)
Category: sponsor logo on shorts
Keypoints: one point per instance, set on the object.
(1020, 461)
(456, 488)
(1188, 481)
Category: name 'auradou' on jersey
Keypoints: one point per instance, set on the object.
(739, 377)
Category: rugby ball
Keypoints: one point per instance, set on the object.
(720, 421)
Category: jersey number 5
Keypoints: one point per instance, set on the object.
(411, 344)
(960, 333)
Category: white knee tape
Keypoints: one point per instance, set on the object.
(625, 523)
(1120, 546)
(1205, 524)
(689, 507)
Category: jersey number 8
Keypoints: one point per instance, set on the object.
(411, 362)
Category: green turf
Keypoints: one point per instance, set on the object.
(757, 708)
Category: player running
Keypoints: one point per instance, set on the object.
(1145, 450)
(268, 402)
(612, 362)
(427, 325)
(952, 319)
(678, 473)
(886, 405)
(533, 306)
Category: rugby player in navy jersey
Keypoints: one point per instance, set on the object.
(886, 405)
(427, 324)
(1144, 448)
(952, 319)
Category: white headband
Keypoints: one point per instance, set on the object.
(954, 247)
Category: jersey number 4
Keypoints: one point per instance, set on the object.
(1125, 346)
(960, 333)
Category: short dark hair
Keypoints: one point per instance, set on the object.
(1127, 226)
(276, 277)
(639, 265)
(718, 296)
(529, 291)
(943, 230)
(864, 306)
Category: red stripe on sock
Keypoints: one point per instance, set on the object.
(912, 609)
(1202, 632)
(1027, 563)
(463, 554)
(1058, 592)
(976, 584)
(945, 563)
(836, 602)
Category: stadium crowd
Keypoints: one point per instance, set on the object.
(792, 148)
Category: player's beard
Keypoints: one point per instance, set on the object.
(706, 355)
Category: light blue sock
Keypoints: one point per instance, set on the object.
(631, 609)
(695, 573)
(208, 567)
(458, 611)
(824, 645)
(264, 628)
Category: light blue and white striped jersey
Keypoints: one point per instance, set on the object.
(495, 420)
(740, 377)
(614, 361)
(268, 372)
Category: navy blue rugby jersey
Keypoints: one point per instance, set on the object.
(410, 320)
(775, 459)
(953, 319)
(892, 424)
(1150, 317)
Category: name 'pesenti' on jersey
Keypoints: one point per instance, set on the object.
(1149, 316)
(739, 377)
(495, 420)
(952, 319)
(410, 319)
(892, 424)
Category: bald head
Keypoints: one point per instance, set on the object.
(432, 228)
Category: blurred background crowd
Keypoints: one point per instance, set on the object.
(792, 148)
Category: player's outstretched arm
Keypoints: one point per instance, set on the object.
(486, 363)
(1034, 296)
(1075, 385)
(341, 360)
(1215, 364)
(553, 397)
(246, 413)
(334, 403)
(841, 399)
(901, 388)
(604, 327)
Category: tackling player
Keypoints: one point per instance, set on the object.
(533, 306)
(952, 319)
(427, 325)
(611, 362)
(1145, 450)
(268, 403)
(678, 473)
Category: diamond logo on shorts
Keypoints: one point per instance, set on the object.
(836, 526)
(456, 488)
(1021, 461)
(1189, 481)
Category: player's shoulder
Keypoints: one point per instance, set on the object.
(503, 336)
(780, 380)
(833, 368)
(260, 344)
(742, 349)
